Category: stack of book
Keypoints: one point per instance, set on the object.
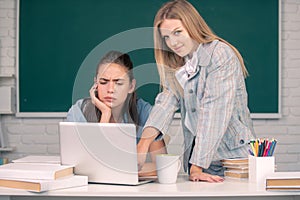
(286, 181)
(3, 161)
(236, 167)
(32, 175)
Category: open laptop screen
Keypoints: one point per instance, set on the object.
(105, 152)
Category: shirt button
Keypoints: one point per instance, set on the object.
(193, 109)
(242, 141)
(191, 91)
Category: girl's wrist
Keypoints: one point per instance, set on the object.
(105, 117)
(195, 168)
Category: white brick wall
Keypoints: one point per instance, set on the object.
(34, 136)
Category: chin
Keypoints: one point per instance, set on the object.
(182, 54)
(110, 105)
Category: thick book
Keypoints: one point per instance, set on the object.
(236, 174)
(35, 171)
(283, 181)
(45, 185)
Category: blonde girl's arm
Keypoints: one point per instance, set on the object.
(148, 136)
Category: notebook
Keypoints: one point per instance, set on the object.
(105, 152)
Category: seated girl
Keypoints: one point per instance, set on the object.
(113, 100)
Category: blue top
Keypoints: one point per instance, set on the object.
(75, 114)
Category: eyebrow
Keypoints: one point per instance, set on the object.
(174, 30)
(115, 80)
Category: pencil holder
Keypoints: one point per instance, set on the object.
(259, 168)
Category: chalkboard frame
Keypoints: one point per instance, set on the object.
(20, 113)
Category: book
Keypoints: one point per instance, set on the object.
(3, 161)
(283, 188)
(235, 161)
(237, 168)
(236, 174)
(38, 159)
(35, 171)
(35, 185)
(283, 181)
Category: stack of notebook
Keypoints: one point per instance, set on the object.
(39, 174)
(236, 167)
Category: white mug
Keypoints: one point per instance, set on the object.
(167, 167)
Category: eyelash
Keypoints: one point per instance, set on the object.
(176, 33)
(105, 82)
(165, 38)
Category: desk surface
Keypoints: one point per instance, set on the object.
(183, 188)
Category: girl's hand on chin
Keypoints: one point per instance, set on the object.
(105, 110)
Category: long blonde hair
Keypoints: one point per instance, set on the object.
(167, 61)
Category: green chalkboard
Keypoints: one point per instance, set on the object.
(61, 42)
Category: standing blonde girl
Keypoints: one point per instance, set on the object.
(203, 76)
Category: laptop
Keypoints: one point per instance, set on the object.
(105, 152)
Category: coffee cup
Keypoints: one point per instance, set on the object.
(167, 167)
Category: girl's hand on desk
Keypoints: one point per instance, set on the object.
(196, 174)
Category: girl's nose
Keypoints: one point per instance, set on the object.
(173, 41)
(111, 87)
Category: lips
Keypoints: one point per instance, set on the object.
(178, 48)
(109, 99)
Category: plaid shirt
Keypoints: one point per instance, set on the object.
(214, 110)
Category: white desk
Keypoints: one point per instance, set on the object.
(229, 189)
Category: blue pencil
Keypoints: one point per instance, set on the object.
(273, 147)
(250, 152)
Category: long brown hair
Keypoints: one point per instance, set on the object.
(167, 61)
(124, 60)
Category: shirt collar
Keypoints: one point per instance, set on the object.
(201, 57)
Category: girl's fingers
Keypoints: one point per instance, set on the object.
(205, 177)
